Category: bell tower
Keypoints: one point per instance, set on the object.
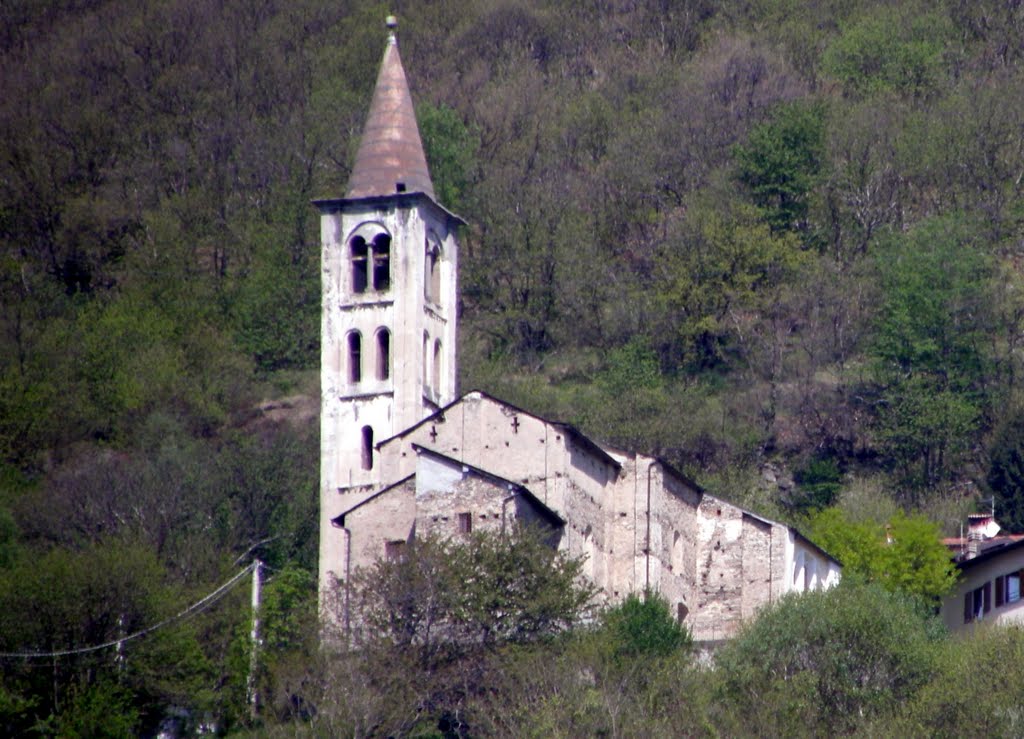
(388, 325)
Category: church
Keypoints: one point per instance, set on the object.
(403, 454)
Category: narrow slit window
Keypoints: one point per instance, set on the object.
(367, 447)
(355, 359)
(382, 263)
(383, 354)
(359, 264)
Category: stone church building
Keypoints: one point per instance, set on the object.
(404, 455)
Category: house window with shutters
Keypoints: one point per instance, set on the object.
(1007, 589)
(977, 603)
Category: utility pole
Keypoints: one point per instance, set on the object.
(255, 636)
(119, 659)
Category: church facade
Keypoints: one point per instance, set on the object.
(402, 455)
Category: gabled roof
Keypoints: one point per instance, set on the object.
(390, 159)
(578, 436)
(991, 553)
(498, 480)
(339, 520)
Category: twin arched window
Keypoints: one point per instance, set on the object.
(371, 263)
(355, 356)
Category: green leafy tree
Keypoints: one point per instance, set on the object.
(819, 483)
(905, 555)
(66, 600)
(642, 627)
(819, 663)
(780, 162)
(435, 620)
(929, 348)
(720, 264)
(895, 48)
(445, 595)
(988, 704)
(1005, 475)
(451, 148)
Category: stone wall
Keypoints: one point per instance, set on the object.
(637, 522)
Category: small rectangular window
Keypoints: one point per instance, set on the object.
(394, 550)
(1013, 588)
(465, 523)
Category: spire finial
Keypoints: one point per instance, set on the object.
(392, 23)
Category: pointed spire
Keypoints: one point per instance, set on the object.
(390, 157)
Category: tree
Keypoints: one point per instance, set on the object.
(65, 600)
(930, 362)
(1005, 475)
(780, 162)
(895, 48)
(451, 149)
(445, 597)
(821, 662)
(987, 704)
(906, 555)
(428, 629)
(642, 627)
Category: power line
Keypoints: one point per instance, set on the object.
(181, 615)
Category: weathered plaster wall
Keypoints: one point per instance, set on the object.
(410, 391)
(388, 517)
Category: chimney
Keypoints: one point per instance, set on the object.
(973, 544)
(980, 527)
(982, 524)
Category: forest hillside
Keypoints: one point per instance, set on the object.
(777, 242)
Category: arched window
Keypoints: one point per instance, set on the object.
(381, 262)
(435, 275)
(359, 251)
(432, 273)
(426, 356)
(355, 359)
(367, 433)
(383, 354)
(437, 366)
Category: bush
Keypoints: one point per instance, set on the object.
(820, 662)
